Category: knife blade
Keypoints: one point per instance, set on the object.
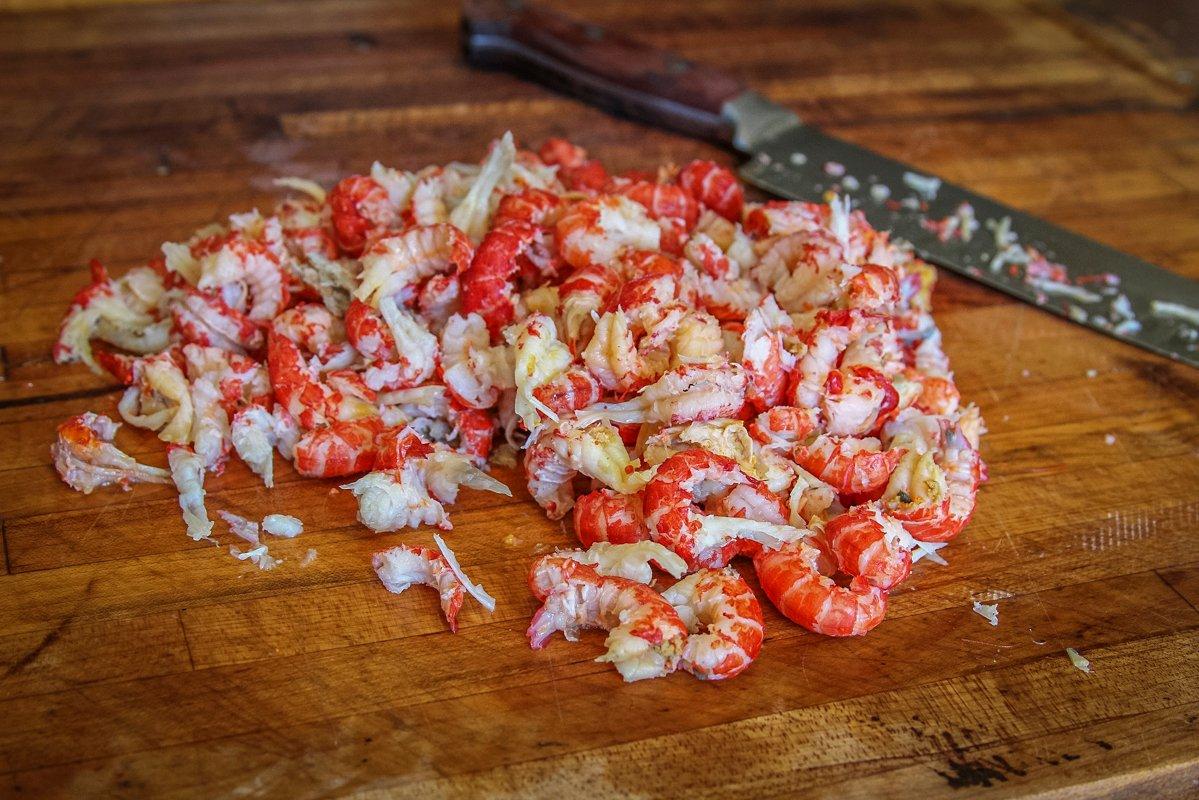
(1031, 259)
(799, 162)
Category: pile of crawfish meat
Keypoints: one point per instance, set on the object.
(692, 377)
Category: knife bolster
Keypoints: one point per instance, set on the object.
(756, 119)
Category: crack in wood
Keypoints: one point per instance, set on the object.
(1175, 589)
(82, 394)
(186, 643)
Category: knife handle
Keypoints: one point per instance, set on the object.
(599, 67)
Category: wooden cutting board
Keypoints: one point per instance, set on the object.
(135, 662)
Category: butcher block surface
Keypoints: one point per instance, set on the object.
(136, 662)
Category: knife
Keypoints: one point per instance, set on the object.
(1050, 267)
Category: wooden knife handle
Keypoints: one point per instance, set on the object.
(595, 65)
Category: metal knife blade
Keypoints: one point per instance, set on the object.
(794, 160)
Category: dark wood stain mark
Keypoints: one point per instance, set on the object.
(50, 638)
(1172, 379)
(985, 772)
(965, 774)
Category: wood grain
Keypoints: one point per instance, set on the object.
(135, 662)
